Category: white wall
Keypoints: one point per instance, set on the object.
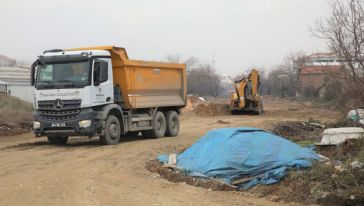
(3, 88)
(23, 92)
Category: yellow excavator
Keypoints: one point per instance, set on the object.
(246, 97)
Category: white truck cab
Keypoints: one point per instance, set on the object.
(67, 85)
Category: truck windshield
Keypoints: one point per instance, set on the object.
(63, 75)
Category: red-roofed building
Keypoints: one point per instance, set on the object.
(316, 77)
(331, 69)
(318, 70)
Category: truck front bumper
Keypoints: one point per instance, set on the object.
(66, 128)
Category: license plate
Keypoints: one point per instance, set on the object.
(58, 124)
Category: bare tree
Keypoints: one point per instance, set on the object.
(344, 31)
(292, 66)
(278, 83)
(202, 78)
(204, 81)
(174, 58)
(190, 62)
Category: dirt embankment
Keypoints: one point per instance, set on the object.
(15, 116)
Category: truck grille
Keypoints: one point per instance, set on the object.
(69, 110)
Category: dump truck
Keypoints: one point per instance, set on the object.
(246, 96)
(99, 91)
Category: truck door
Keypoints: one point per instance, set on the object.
(102, 90)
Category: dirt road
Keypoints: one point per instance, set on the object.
(32, 172)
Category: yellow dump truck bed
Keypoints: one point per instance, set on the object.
(146, 84)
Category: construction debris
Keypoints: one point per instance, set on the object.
(334, 136)
(356, 115)
(357, 165)
(307, 122)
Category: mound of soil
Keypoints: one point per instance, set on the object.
(176, 176)
(212, 109)
(297, 131)
(188, 107)
(15, 115)
(194, 99)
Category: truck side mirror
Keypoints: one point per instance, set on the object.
(32, 72)
(100, 72)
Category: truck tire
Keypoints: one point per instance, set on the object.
(62, 140)
(172, 119)
(112, 131)
(159, 130)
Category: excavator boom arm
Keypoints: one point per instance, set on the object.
(246, 93)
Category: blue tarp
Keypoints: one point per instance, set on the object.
(233, 153)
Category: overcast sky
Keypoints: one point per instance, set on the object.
(237, 34)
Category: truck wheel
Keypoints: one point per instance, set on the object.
(159, 130)
(172, 119)
(112, 131)
(57, 140)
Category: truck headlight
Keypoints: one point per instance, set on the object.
(36, 125)
(84, 123)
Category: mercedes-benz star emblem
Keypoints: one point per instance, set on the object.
(58, 104)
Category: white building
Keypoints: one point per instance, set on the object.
(322, 59)
(18, 79)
